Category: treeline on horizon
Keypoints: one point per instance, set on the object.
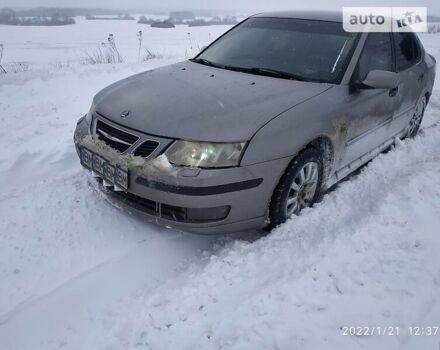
(11, 17)
(80, 11)
(190, 20)
(67, 11)
(120, 16)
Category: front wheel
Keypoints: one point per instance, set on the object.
(299, 187)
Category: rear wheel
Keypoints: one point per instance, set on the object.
(416, 120)
(299, 187)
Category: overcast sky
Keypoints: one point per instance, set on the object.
(239, 5)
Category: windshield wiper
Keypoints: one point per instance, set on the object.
(254, 70)
(277, 73)
(267, 72)
(205, 62)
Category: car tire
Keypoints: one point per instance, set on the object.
(302, 181)
(417, 118)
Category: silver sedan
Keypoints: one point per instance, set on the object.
(258, 125)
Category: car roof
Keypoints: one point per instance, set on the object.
(330, 16)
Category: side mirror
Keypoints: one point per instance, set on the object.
(380, 79)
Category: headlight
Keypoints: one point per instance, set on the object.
(205, 154)
(89, 115)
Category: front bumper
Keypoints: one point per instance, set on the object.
(205, 201)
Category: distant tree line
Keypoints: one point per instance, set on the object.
(186, 17)
(122, 17)
(228, 20)
(10, 17)
(67, 11)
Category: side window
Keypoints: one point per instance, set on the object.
(377, 54)
(407, 50)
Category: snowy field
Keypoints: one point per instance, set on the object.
(67, 45)
(77, 273)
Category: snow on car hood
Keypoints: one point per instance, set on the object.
(192, 101)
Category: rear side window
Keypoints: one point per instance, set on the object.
(407, 50)
(377, 54)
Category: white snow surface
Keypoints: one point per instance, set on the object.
(67, 45)
(77, 273)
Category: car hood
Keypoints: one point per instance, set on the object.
(196, 102)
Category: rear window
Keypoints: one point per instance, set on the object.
(407, 50)
(377, 54)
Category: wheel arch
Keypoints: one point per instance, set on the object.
(325, 145)
(275, 214)
(322, 143)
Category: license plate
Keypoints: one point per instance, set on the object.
(113, 174)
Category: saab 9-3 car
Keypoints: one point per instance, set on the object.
(258, 125)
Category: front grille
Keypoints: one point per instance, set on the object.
(137, 202)
(153, 208)
(146, 148)
(115, 138)
(171, 212)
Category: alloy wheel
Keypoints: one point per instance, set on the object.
(303, 189)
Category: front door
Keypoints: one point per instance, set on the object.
(370, 111)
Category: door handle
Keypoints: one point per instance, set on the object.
(421, 76)
(393, 91)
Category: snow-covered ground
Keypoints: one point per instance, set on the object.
(77, 273)
(71, 44)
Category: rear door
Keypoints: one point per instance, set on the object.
(408, 54)
(369, 111)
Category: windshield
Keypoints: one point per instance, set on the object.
(284, 48)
